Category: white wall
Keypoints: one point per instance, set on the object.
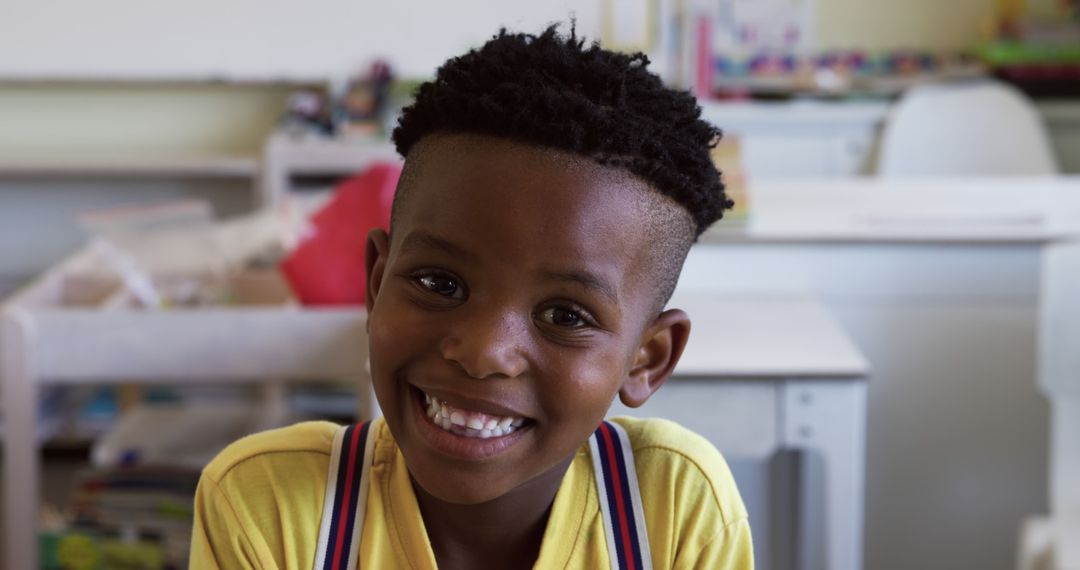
(319, 38)
(193, 41)
(256, 38)
(886, 24)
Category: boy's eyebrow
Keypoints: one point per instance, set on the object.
(421, 239)
(585, 279)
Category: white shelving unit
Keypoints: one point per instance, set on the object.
(54, 331)
(47, 339)
(165, 166)
(35, 187)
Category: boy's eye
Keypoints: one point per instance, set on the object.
(562, 317)
(440, 285)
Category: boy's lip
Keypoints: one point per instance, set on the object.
(472, 404)
(461, 447)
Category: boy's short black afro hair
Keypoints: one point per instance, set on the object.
(557, 92)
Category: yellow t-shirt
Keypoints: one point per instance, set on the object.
(259, 504)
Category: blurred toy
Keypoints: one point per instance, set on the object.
(307, 112)
(327, 267)
(364, 101)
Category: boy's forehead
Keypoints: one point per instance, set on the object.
(461, 166)
(449, 150)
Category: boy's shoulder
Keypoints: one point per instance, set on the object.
(668, 437)
(311, 440)
(670, 458)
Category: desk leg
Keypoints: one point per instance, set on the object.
(829, 417)
(21, 469)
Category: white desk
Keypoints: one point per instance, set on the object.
(1031, 210)
(764, 373)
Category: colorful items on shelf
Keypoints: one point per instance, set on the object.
(85, 551)
(307, 111)
(834, 73)
(360, 110)
(123, 517)
(1037, 48)
(357, 109)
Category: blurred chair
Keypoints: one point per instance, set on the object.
(973, 128)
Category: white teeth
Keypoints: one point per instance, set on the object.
(469, 424)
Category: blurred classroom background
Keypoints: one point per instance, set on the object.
(905, 172)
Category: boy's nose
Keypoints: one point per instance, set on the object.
(488, 346)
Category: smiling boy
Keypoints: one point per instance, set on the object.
(550, 193)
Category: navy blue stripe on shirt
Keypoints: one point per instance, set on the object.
(631, 518)
(339, 494)
(355, 495)
(604, 438)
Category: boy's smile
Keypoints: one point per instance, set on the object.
(513, 303)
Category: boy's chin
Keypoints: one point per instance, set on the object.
(460, 491)
(476, 489)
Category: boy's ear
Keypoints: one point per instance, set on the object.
(378, 247)
(662, 345)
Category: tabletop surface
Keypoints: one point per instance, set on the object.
(903, 210)
(764, 337)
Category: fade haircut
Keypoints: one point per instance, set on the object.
(556, 92)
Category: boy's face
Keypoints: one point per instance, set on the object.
(519, 283)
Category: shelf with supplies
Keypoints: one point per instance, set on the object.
(70, 326)
(120, 164)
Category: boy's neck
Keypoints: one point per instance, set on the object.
(505, 532)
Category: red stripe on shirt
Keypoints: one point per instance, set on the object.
(343, 512)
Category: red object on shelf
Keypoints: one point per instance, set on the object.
(327, 267)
